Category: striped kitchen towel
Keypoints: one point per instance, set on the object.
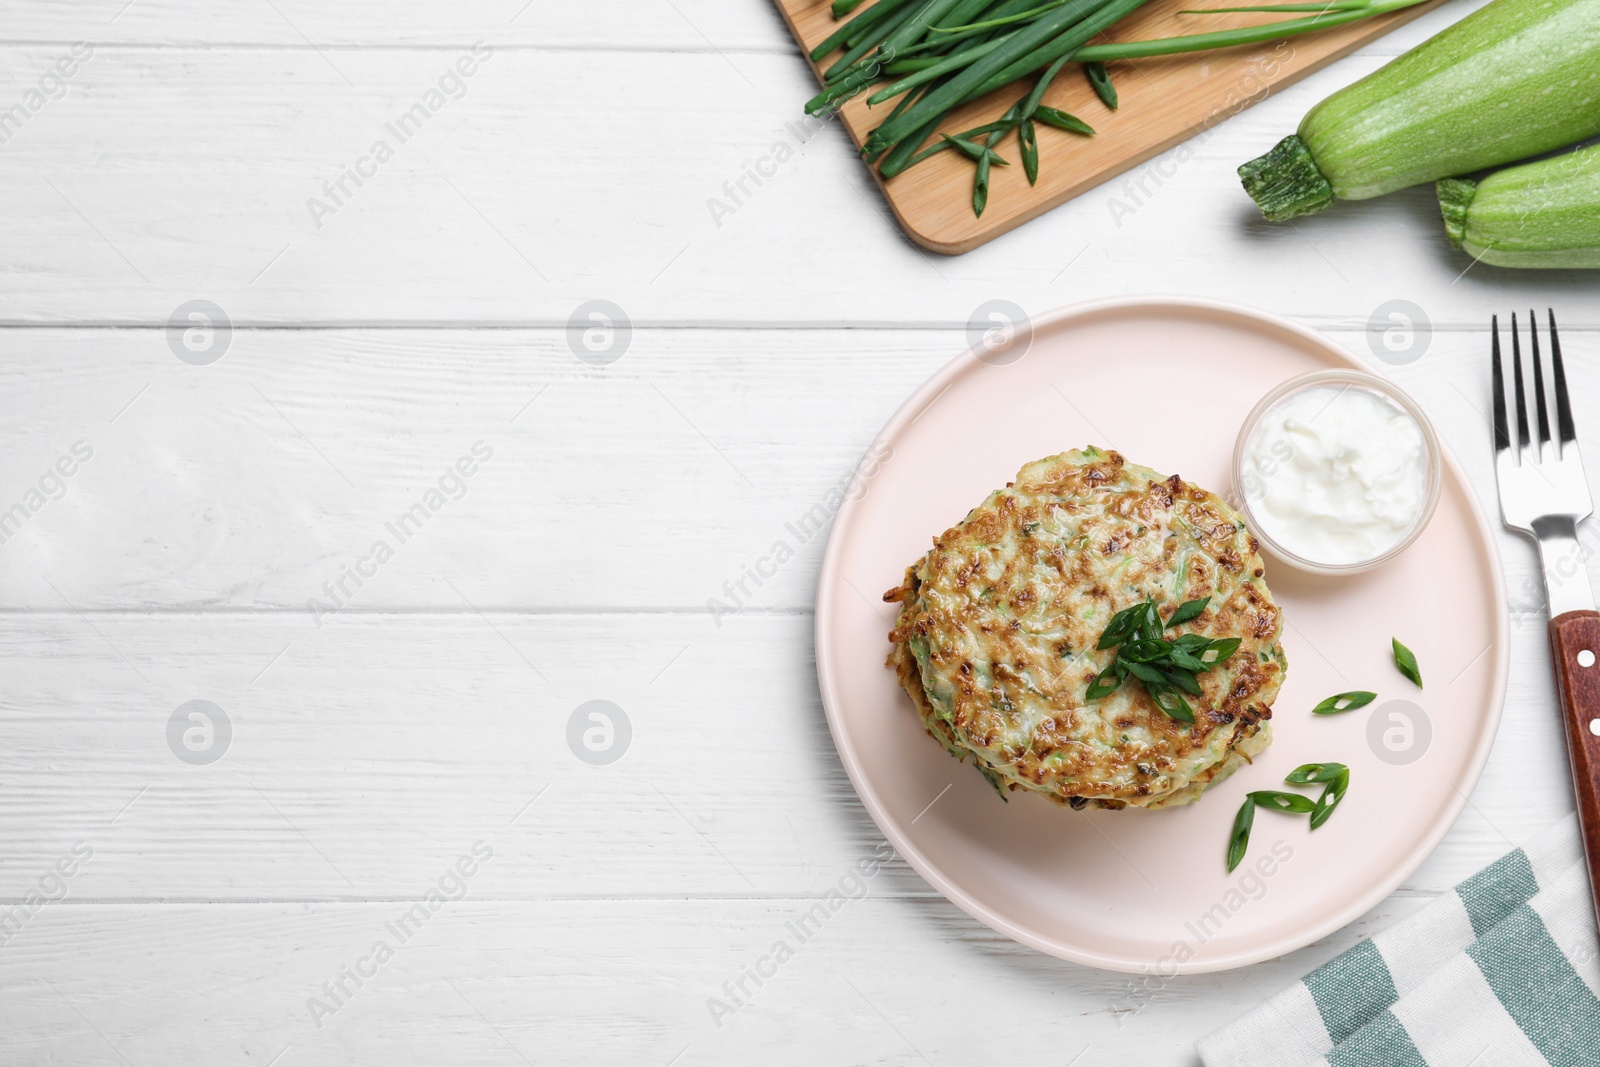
(1503, 972)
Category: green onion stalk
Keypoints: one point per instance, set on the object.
(937, 55)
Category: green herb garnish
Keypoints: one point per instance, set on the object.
(1239, 840)
(1307, 773)
(1188, 610)
(1331, 795)
(1335, 780)
(1407, 662)
(1276, 800)
(1334, 705)
(1165, 668)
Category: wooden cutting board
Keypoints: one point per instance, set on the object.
(1163, 102)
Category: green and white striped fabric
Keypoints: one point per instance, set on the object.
(1503, 972)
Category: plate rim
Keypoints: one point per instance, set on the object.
(913, 406)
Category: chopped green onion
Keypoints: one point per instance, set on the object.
(1276, 800)
(1062, 121)
(1184, 680)
(1144, 672)
(968, 149)
(1307, 773)
(1105, 683)
(1343, 702)
(1187, 610)
(1331, 795)
(1239, 839)
(1028, 138)
(1174, 705)
(1101, 81)
(1407, 662)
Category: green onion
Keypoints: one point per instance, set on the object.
(940, 54)
(966, 135)
(1021, 16)
(1121, 624)
(1239, 839)
(901, 155)
(1343, 702)
(972, 151)
(1028, 138)
(867, 19)
(1187, 610)
(1407, 662)
(1272, 31)
(1167, 669)
(1307, 773)
(1331, 795)
(1336, 781)
(939, 44)
(870, 38)
(1096, 73)
(1183, 679)
(980, 183)
(1061, 120)
(977, 79)
(1355, 5)
(1145, 673)
(1092, 25)
(935, 69)
(1105, 683)
(1174, 705)
(1293, 803)
(1030, 103)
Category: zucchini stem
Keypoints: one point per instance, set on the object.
(1455, 196)
(1286, 183)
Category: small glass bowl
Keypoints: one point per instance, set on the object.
(1357, 379)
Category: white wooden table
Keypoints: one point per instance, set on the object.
(382, 337)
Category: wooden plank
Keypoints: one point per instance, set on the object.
(683, 25)
(613, 981)
(1163, 102)
(361, 757)
(657, 481)
(139, 221)
(218, 490)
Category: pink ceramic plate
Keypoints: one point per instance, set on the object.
(1133, 890)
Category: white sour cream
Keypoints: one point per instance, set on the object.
(1336, 474)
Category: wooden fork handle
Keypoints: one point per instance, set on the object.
(1575, 643)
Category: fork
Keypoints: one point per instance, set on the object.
(1544, 494)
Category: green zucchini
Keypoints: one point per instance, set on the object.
(1544, 214)
(1512, 80)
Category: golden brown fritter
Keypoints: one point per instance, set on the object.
(998, 623)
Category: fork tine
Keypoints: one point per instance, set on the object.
(1522, 397)
(1540, 404)
(1502, 435)
(1564, 424)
